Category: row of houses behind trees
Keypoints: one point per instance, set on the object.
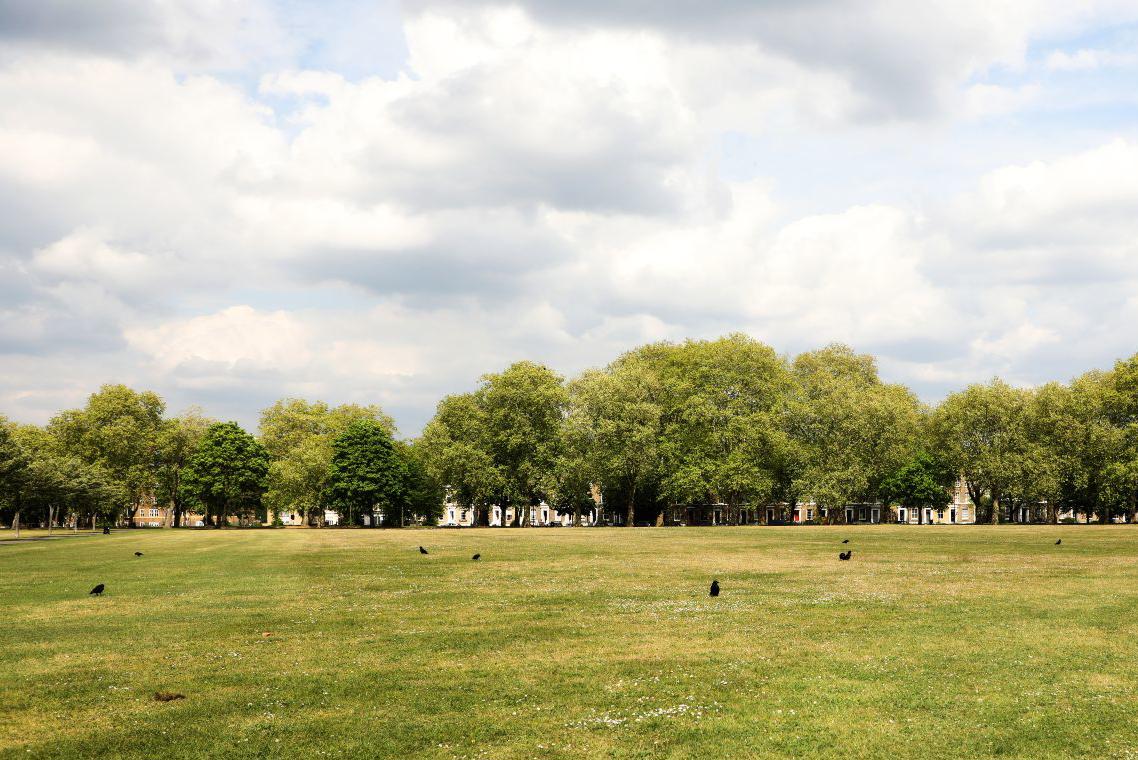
(664, 430)
(119, 460)
(730, 423)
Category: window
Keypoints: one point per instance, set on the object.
(940, 513)
(902, 515)
(810, 514)
(153, 512)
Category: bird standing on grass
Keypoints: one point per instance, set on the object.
(476, 557)
(98, 590)
(422, 550)
(845, 540)
(845, 554)
(1059, 542)
(138, 554)
(714, 588)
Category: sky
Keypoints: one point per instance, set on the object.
(378, 202)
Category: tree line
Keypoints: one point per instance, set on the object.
(118, 454)
(726, 421)
(732, 422)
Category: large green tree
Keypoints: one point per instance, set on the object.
(118, 430)
(850, 430)
(723, 433)
(500, 445)
(1121, 472)
(455, 452)
(368, 475)
(982, 432)
(424, 492)
(1072, 441)
(298, 435)
(615, 424)
(178, 441)
(525, 406)
(41, 483)
(226, 475)
(14, 474)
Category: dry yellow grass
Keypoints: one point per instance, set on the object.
(932, 642)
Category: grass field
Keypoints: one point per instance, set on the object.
(933, 642)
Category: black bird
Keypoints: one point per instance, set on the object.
(422, 550)
(845, 554)
(98, 590)
(106, 531)
(476, 557)
(845, 540)
(138, 554)
(1059, 542)
(715, 588)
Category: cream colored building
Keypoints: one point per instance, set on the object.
(458, 515)
(959, 511)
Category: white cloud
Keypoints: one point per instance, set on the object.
(541, 181)
(236, 337)
(1089, 59)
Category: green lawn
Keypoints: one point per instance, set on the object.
(932, 642)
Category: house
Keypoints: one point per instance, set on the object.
(959, 511)
(536, 515)
(150, 515)
(458, 515)
(293, 517)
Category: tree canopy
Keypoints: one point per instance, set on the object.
(368, 476)
(226, 475)
(727, 423)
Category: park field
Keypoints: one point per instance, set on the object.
(932, 642)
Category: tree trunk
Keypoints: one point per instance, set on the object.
(995, 510)
(50, 517)
(660, 517)
(16, 523)
(630, 518)
(1133, 507)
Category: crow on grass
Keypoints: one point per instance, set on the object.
(422, 550)
(845, 554)
(138, 554)
(98, 590)
(476, 557)
(845, 540)
(714, 588)
(1059, 542)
